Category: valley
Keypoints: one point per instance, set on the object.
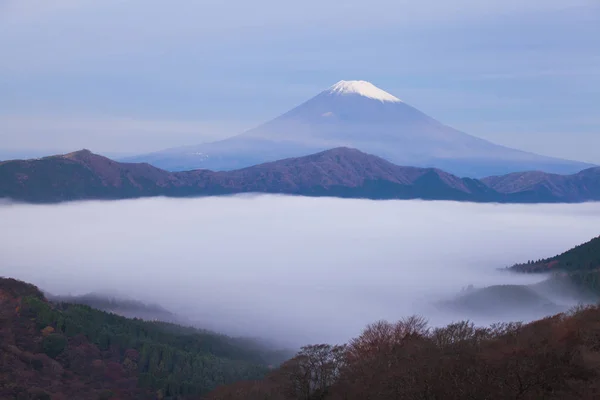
(72, 350)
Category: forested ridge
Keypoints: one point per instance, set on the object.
(338, 172)
(107, 355)
(583, 257)
(579, 265)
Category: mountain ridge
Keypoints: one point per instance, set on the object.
(584, 257)
(338, 172)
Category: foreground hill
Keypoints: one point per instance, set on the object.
(555, 358)
(360, 115)
(67, 351)
(340, 172)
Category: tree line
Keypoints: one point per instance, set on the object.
(554, 358)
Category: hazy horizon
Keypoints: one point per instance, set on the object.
(288, 268)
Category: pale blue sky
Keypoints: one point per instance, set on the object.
(133, 76)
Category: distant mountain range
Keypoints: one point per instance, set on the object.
(359, 115)
(340, 172)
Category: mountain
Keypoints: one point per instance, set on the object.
(534, 185)
(345, 172)
(78, 175)
(339, 172)
(357, 114)
(69, 351)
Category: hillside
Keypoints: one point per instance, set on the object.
(359, 115)
(67, 351)
(78, 175)
(577, 269)
(124, 307)
(70, 351)
(585, 257)
(340, 172)
(555, 359)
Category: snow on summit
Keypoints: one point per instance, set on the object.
(362, 88)
(358, 114)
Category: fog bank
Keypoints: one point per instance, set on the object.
(292, 268)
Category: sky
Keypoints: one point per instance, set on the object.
(131, 76)
(292, 269)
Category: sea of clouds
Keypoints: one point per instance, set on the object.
(294, 269)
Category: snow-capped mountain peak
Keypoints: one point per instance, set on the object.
(359, 115)
(362, 88)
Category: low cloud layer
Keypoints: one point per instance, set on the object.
(295, 269)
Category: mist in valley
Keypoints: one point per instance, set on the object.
(296, 270)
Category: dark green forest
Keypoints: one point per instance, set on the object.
(579, 266)
(175, 361)
(584, 257)
(164, 358)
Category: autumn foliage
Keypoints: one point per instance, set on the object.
(68, 351)
(74, 352)
(554, 358)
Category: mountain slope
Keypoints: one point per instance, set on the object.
(67, 351)
(585, 257)
(357, 114)
(575, 271)
(340, 172)
(574, 279)
(348, 173)
(555, 358)
(78, 175)
(534, 184)
(120, 306)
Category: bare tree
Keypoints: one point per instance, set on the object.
(310, 374)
